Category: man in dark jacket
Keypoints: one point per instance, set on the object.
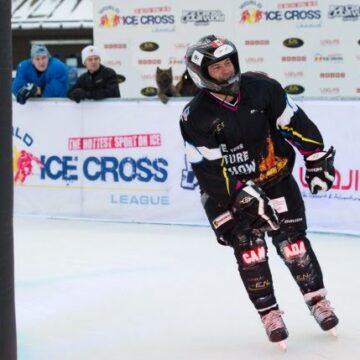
(99, 82)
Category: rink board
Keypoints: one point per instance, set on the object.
(124, 161)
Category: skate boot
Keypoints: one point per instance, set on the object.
(275, 327)
(321, 309)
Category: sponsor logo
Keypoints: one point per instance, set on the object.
(293, 42)
(259, 285)
(296, 249)
(112, 63)
(293, 15)
(104, 169)
(188, 178)
(254, 60)
(216, 43)
(23, 160)
(332, 75)
(148, 77)
(329, 42)
(109, 17)
(153, 10)
(181, 45)
(251, 12)
(202, 17)
(149, 91)
(197, 57)
(176, 61)
(148, 46)
(293, 221)
(345, 12)
(115, 46)
(294, 89)
(294, 74)
(254, 256)
(299, 4)
(120, 78)
(222, 219)
(149, 61)
(330, 90)
(293, 58)
(223, 50)
(303, 277)
(144, 199)
(257, 42)
(336, 58)
(114, 142)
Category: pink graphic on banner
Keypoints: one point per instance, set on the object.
(24, 166)
(114, 142)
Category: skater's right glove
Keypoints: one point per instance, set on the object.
(252, 206)
(320, 171)
(25, 93)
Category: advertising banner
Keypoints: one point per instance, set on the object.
(311, 47)
(124, 161)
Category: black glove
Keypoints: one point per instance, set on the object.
(25, 92)
(252, 206)
(77, 95)
(320, 171)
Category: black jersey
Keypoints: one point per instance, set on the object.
(248, 139)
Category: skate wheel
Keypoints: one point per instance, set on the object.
(282, 345)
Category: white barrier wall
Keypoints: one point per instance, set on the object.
(124, 160)
(311, 47)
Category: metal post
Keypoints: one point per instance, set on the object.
(7, 302)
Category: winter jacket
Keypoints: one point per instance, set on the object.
(99, 85)
(53, 81)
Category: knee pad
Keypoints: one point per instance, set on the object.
(251, 256)
(250, 250)
(297, 253)
(294, 248)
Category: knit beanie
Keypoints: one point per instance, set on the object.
(89, 51)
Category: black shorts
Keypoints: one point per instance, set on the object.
(288, 202)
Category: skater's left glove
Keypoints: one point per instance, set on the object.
(320, 171)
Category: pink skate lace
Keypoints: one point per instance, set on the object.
(273, 321)
(322, 310)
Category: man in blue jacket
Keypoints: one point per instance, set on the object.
(40, 76)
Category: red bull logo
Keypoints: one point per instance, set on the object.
(251, 16)
(109, 20)
(23, 162)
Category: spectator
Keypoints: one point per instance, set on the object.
(99, 82)
(40, 76)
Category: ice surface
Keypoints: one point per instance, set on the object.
(110, 291)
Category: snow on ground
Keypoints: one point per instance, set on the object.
(111, 291)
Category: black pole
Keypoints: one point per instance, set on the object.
(7, 301)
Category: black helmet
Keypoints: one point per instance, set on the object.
(209, 50)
